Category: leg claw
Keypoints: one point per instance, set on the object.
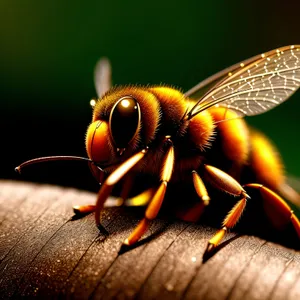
(210, 247)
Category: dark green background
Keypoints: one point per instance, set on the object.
(48, 50)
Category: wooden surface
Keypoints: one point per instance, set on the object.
(45, 252)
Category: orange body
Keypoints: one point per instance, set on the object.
(198, 137)
(206, 138)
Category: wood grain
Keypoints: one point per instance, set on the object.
(45, 252)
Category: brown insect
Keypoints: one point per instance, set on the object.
(198, 136)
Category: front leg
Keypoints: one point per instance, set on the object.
(157, 200)
(113, 179)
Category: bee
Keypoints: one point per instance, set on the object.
(199, 136)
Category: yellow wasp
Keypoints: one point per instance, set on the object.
(199, 136)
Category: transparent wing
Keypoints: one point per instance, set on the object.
(102, 76)
(255, 85)
(202, 87)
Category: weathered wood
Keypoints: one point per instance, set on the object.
(44, 252)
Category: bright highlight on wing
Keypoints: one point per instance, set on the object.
(102, 76)
(257, 85)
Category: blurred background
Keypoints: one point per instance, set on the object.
(48, 50)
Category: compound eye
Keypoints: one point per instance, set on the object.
(124, 121)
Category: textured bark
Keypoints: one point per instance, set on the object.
(45, 252)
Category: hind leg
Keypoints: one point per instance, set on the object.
(277, 210)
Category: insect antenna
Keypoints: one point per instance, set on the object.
(52, 158)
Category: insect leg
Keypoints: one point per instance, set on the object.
(99, 175)
(150, 214)
(126, 187)
(112, 179)
(228, 184)
(140, 199)
(156, 202)
(224, 181)
(83, 209)
(278, 211)
(229, 222)
(200, 188)
(193, 214)
(113, 202)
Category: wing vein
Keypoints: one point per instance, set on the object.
(255, 86)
